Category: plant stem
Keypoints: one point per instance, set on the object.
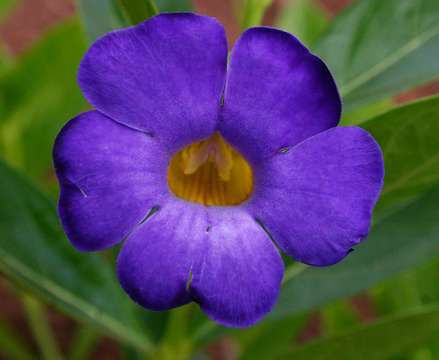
(40, 327)
(176, 344)
(83, 343)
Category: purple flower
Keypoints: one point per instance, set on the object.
(223, 152)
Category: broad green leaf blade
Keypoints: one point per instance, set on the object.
(379, 48)
(37, 96)
(303, 19)
(99, 17)
(426, 281)
(409, 138)
(411, 289)
(103, 16)
(282, 333)
(402, 240)
(174, 5)
(380, 340)
(362, 113)
(34, 252)
(138, 10)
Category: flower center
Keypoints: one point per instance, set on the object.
(210, 172)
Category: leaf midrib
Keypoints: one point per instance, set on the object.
(388, 61)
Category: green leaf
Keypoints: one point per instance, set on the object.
(103, 16)
(409, 138)
(5, 6)
(303, 19)
(5, 63)
(380, 340)
(253, 341)
(35, 253)
(253, 12)
(337, 316)
(400, 241)
(37, 96)
(378, 48)
(174, 5)
(83, 343)
(396, 294)
(138, 10)
(360, 114)
(99, 17)
(426, 281)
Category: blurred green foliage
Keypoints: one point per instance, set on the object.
(37, 95)
(99, 17)
(382, 339)
(137, 11)
(35, 252)
(252, 12)
(408, 136)
(11, 345)
(304, 19)
(102, 16)
(5, 5)
(376, 49)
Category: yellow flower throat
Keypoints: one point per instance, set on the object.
(210, 172)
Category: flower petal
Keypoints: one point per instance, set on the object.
(316, 200)
(217, 256)
(164, 76)
(277, 94)
(240, 276)
(110, 176)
